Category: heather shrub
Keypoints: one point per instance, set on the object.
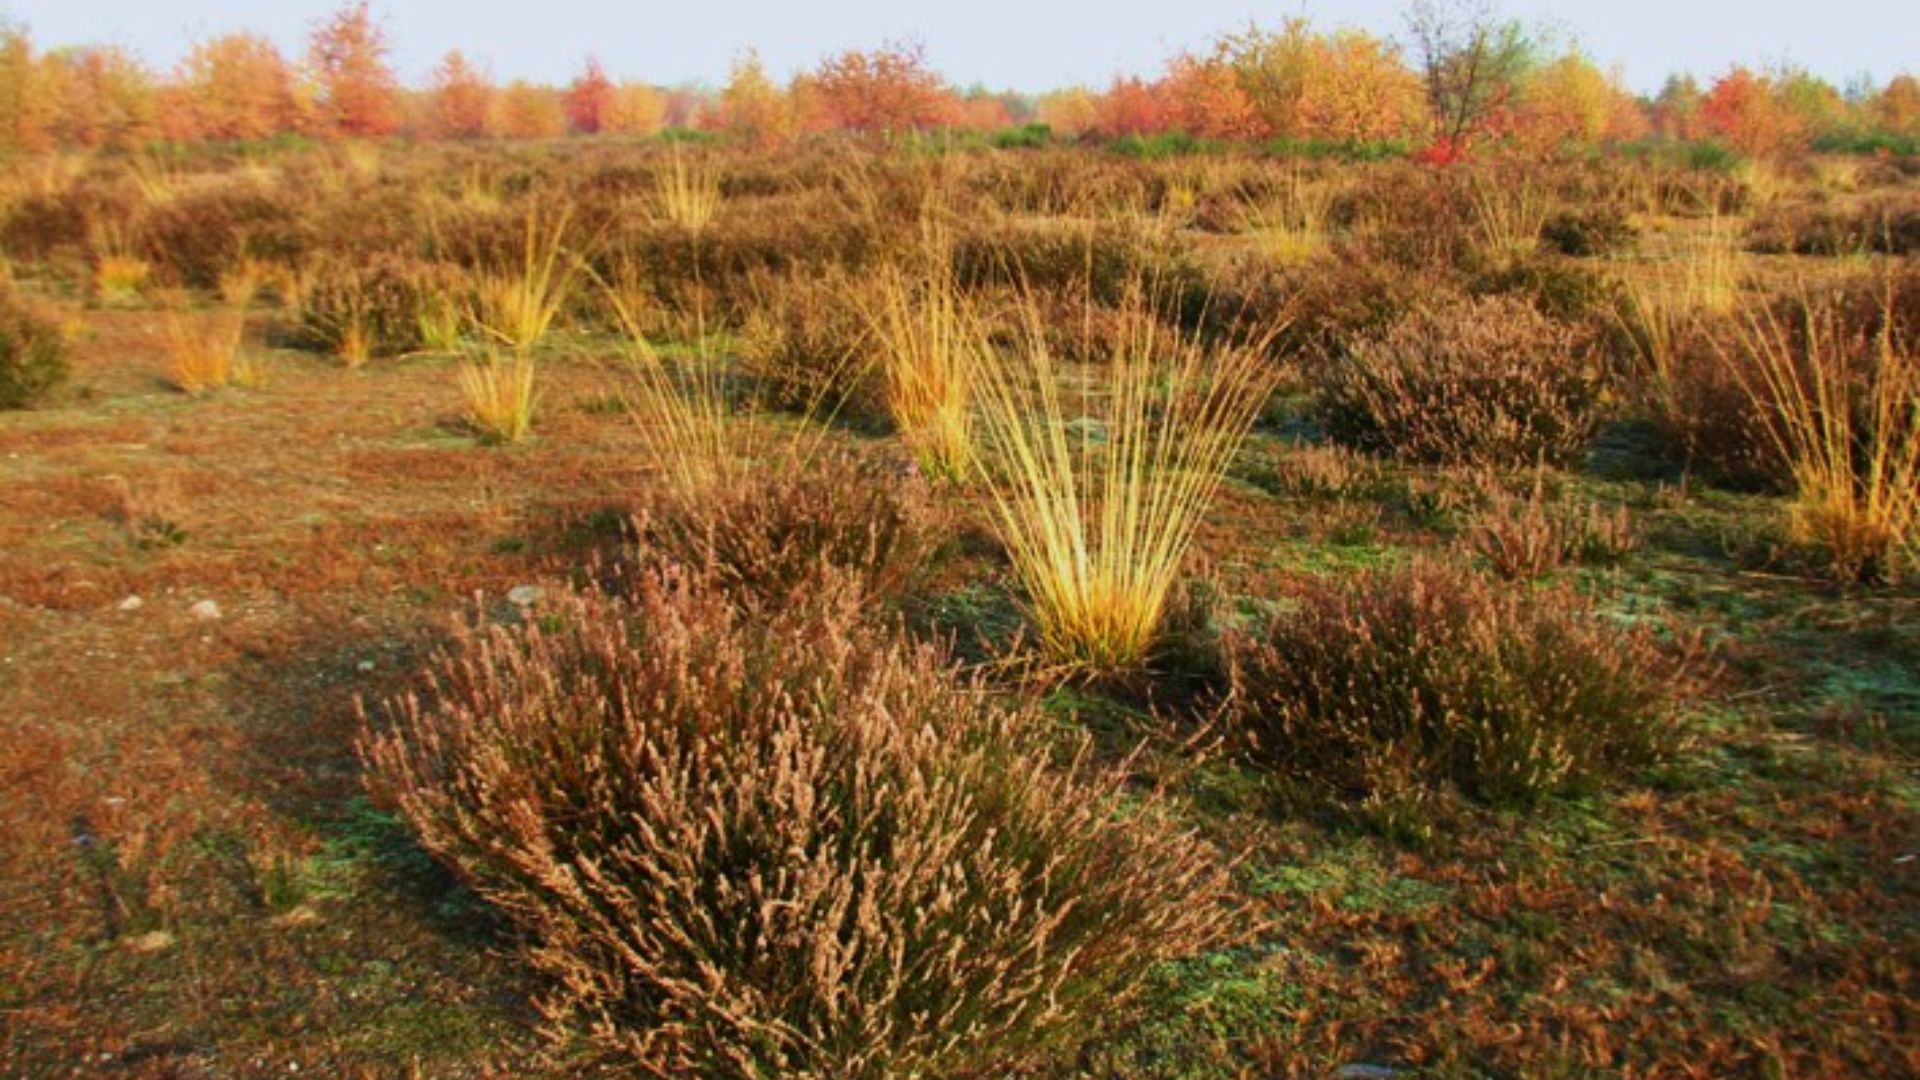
(1589, 232)
(783, 842)
(1523, 538)
(1481, 382)
(1406, 681)
(806, 343)
(33, 356)
(1886, 225)
(772, 530)
(196, 237)
(363, 308)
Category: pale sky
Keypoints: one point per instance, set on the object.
(1021, 44)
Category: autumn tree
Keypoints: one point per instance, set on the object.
(589, 100)
(523, 110)
(359, 94)
(637, 109)
(888, 91)
(25, 109)
(751, 107)
(1206, 97)
(1743, 109)
(1676, 109)
(1069, 113)
(100, 96)
(1472, 61)
(459, 99)
(1896, 108)
(1132, 106)
(237, 87)
(1570, 101)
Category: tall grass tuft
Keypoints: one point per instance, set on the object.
(1840, 406)
(1509, 212)
(1294, 226)
(927, 330)
(1099, 488)
(203, 347)
(500, 395)
(688, 193)
(516, 306)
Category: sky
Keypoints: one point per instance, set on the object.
(1020, 44)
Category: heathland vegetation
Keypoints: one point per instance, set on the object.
(1338, 559)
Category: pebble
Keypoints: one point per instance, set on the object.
(1363, 1071)
(205, 611)
(151, 942)
(132, 603)
(526, 595)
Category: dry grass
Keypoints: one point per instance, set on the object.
(1294, 226)
(517, 306)
(499, 395)
(203, 347)
(927, 332)
(1098, 490)
(1509, 210)
(687, 193)
(1841, 408)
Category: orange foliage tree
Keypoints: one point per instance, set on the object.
(1571, 102)
(25, 108)
(637, 109)
(589, 100)
(1357, 89)
(1896, 108)
(1070, 113)
(359, 95)
(523, 110)
(751, 107)
(1743, 109)
(459, 100)
(1205, 97)
(236, 87)
(889, 91)
(101, 97)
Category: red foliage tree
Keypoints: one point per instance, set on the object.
(1132, 106)
(589, 100)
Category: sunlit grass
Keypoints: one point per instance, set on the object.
(926, 329)
(500, 396)
(1100, 479)
(516, 306)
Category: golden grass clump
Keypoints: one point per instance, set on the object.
(687, 193)
(780, 841)
(1099, 487)
(516, 306)
(927, 332)
(1293, 226)
(203, 347)
(500, 395)
(1840, 407)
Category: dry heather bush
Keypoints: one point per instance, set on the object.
(1526, 538)
(875, 524)
(1589, 232)
(1400, 682)
(785, 843)
(360, 309)
(196, 237)
(33, 354)
(1887, 225)
(806, 343)
(1487, 382)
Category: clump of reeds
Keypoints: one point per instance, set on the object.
(499, 393)
(203, 346)
(1100, 479)
(687, 193)
(1840, 406)
(516, 306)
(927, 331)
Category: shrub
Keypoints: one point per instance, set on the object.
(1522, 539)
(195, 238)
(33, 355)
(1600, 230)
(499, 395)
(773, 529)
(805, 341)
(1404, 681)
(782, 842)
(1887, 225)
(1482, 382)
(361, 309)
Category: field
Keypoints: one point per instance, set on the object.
(326, 404)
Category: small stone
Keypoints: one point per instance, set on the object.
(152, 941)
(1360, 1070)
(205, 611)
(366, 666)
(132, 603)
(526, 595)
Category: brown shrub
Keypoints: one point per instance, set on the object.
(806, 342)
(1481, 382)
(774, 531)
(362, 308)
(1399, 682)
(33, 355)
(783, 842)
